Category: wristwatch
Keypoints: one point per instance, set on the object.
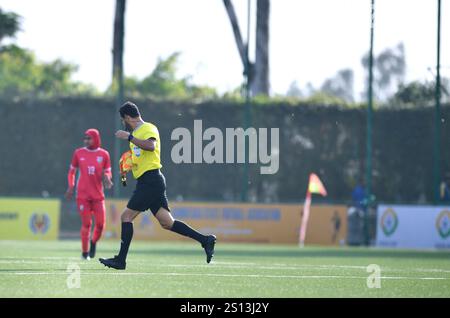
(130, 137)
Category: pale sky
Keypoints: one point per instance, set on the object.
(310, 40)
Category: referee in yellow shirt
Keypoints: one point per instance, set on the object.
(150, 192)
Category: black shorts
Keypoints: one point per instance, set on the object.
(150, 193)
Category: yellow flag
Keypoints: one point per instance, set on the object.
(315, 185)
(125, 163)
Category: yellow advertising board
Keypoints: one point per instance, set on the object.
(29, 219)
(327, 225)
(231, 222)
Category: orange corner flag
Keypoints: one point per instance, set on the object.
(315, 185)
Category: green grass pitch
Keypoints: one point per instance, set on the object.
(39, 269)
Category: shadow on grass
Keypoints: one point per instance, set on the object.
(31, 270)
(305, 253)
(52, 270)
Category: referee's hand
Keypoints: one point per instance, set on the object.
(122, 134)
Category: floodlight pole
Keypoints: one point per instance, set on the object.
(437, 117)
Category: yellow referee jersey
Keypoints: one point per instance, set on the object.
(144, 160)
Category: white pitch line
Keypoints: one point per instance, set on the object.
(227, 275)
(40, 262)
(300, 267)
(233, 265)
(293, 267)
(3, 258)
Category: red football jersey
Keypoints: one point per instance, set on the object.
(92, 165)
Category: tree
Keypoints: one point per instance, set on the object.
(389, 71)
(341, 85)
(9, 24)
(294, 90)
(56, 77)
(164, 83)
(419, 94)
(17, 71)
(117, 74)
(23, 75)
(258, 72)
(118, 47)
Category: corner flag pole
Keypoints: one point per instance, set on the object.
(314, 186)
(305, 217)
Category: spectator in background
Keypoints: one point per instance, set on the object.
(444, 194)
(359, 195)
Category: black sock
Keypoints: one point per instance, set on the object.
(127, 235)
(184, 229)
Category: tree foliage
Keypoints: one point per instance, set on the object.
(23, 75)
(164, 83)
(340, 86)
(389, 69)
(419, 94)
(9, 24)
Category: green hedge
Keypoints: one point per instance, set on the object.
(38, 138)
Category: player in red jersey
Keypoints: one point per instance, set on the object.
(94, 165)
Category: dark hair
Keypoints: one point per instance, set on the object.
(129, 109)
